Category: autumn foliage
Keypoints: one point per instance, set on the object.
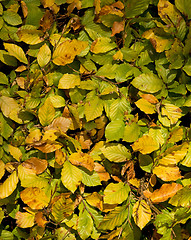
(95, 119)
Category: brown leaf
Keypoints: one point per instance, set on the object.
(61, 124)
(47, 21)
(48, 147)
(117, 27)
(38, 165)
(60, 156)
(165, 192)
(83, 139)
(150, 98)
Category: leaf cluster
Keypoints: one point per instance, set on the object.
(95, 119)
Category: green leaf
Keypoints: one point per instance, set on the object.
(131, 132)
(68, 81)
(44, 55)
(184, 7)
(90, 180)
(115, 130)
(85, 224)
(71, 176)
(145, 162)
(16, 52)
(150, 83)
(57, 101)
(116, 193)
(115, 218)
(182, 198)
(5, 129)
(12, 18)
(118, 107)
(93, 108)
(187, 67)
(46, 113)
(3, 79)
(116, 152)
(134, 8)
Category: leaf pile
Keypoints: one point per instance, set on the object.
(95, 119)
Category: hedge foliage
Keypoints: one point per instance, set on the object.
(95, 119)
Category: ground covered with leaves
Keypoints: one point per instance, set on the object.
(95, 119)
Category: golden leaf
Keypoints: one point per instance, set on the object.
(167, 173)
(48, 147)
(2, 168)
(40, 219)
(82, 159)
(146, 144)
(150, 98)
(36, 164)
(95, 200)
(34, 136)
(15, 152)
(67, 51)
(34, 197)
(165, 192)
(60, 156)
(141, 213)
(145, 106)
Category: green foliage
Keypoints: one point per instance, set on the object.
(95, 119)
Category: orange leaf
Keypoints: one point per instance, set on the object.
(166, 191)
(117, 27)
(103, 174)
(40, 219)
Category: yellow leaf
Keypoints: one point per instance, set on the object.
(47, 3)
(118, 56)
(9, 185)
(145, 106)
(95, 200)
(102, 45)
(141, 213)
(165, 192)
(34, 136)
(16, 52)
(176, 135)
(68, 81)
(30, 35)
(82, 159)
(46, 113)
(146, 144)
(34, 197)
(67, 51)
(171, 111)
(60, 156)
(44, 55)
(2, 169)
(51, 135)
(21, 82)
(36, 164)
(167, 173)
(174, 154)
(15, 152)
(24, 219)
